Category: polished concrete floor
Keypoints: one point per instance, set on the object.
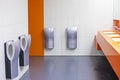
(70, 68)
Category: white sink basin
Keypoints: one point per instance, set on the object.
(116, 39)
(112, 32)
(113, 35)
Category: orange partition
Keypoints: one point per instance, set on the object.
(36, 26)
(110, 47)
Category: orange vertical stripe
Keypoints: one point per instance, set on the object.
(36, 26)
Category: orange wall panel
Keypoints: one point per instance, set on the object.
(36, 26)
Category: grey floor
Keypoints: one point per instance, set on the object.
(70, 68)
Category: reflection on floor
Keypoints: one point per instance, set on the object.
(70, 68)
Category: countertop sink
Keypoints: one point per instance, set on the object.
(116, 39)
(109, 32)
(113, 35)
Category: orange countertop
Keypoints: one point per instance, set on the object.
(109, 42)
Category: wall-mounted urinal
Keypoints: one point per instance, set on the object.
(71, 37)
(12, 50)
(25, 41)
(49, 38)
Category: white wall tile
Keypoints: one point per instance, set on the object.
(88, 15)
(116, 9)
(13, 23)
(13, 12)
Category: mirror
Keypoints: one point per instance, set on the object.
(116, 9)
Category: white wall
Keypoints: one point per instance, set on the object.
(88, 15)
(116, 9)
(13, 22)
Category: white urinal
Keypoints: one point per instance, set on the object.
(25, 41)
(12, 50)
